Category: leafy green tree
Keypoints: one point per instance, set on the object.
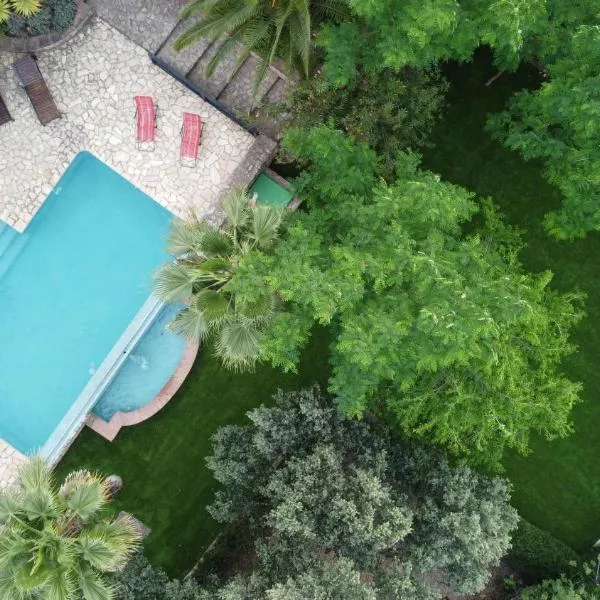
(559, 123)
(206, 259)
(440, 329)
(391, 112)
(271, 28)
(57, 543)
(395, 34)
(317, 487)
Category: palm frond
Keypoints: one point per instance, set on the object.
(235, 207)
(26, 8)
(215, 242)
(60, 585)
(94, 587)
(4, 16)
(9, 507)
(84, 494)
(190, 323)
(174, 282)
(213, 305)
(185, 237)
(238, 345)
(265, 225)
(35, 474)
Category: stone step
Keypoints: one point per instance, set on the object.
(239, 93)
(184, 60)
(223, 74)
(278, 91)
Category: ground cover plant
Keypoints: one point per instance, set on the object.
(167, 484)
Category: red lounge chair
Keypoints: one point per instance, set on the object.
(191, 133)
(145, 112)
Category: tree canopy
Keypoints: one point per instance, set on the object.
(560, 124)
(330, 499)
(441, 329)
(399, 33)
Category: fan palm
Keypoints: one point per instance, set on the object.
(56, 543)
(202, 277)
(271, 28)
(25, 8)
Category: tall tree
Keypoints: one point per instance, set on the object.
(321, 491)
(206, 259)
(57, 543)
(440, 329)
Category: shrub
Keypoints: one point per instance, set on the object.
(54, 15)
(539, 555)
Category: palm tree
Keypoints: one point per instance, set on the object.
(202, 276)
(25, 8)
(271, 28)
(56, 543)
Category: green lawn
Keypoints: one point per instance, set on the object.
(167, 484)
(557, 487)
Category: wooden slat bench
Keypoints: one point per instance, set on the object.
(32, 80)
(4, 114)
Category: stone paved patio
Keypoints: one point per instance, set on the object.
(93, 79)
(10, 461)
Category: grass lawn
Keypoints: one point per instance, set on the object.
(166, 482)
(557, 487)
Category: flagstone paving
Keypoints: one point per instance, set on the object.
(93, 79)
(10, 461)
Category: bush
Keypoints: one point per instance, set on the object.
(54, 15)
(539, 555)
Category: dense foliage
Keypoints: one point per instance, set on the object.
(582, 587)
(395, 34)
(559, 123)
(58, 543)
(206, 259)
(441, 329)
(317, 488)
(391, 112)
(538, 555)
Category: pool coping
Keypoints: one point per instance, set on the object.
(110, 429)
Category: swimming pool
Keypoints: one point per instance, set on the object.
(147, 369)
(70, 285)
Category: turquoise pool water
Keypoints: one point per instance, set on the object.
(147, 369)
(69, 287)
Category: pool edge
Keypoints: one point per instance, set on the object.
(110, 429)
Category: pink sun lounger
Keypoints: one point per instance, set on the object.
(145, 112)
(191, 134)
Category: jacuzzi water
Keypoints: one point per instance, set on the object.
(69, 287)
(147, 369)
